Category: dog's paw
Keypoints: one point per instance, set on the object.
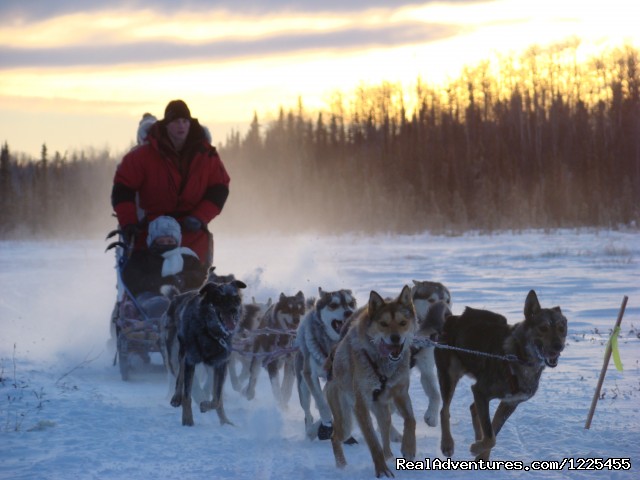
(325, 431)
(483, 446)
(176, 400)
(410, 456)
(350, 441)
(431, 418)
(224, 420)
(206, 406)
(187, 421)
(249, 393)
(484, 456)
(311, 429)
(383, 469)
(308, 420)
(447, 447)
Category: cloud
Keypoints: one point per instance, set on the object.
(141, 52)
(32, 10)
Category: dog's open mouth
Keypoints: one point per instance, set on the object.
(551, 360)
(229, 323)
(391, 350)
(337, 325)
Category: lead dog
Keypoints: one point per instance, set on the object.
(432, 302)
(534, 343)
(318, 333)
(370, 371)
(197, 328)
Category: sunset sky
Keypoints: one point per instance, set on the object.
(78, 75)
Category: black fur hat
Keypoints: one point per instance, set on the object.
(176, 109)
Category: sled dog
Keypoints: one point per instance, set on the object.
(198, 328)
(283, 316)
(370, 371)
(432, 302)
(318, 333)
(533, 343)
(243, 340)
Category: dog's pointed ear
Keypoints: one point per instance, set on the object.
(531, 305)
(206, 288)
(405, 297)
(300, 295)
(239, 284)
(211, 269)
(320, 291)
(416, 282)
(557, 309)
(282, 296)
(375, 302)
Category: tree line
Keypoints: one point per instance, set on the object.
(539, 140)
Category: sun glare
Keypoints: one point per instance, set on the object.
(253, 80)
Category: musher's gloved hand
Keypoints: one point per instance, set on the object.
(191, 224)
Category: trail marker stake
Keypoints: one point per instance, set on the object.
(607, 357)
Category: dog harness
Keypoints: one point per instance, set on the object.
(382, 378)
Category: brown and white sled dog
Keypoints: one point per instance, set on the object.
(198, 327)
(241, 357)
(370, 371)
(283, 316)
(318, 333)
(432, 302)
(533, 343)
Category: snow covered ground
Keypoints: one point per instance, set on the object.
(65, 412)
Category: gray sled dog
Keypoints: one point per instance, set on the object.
(203, 377)
(318, 333)
(533, 343)
(370, 371)
(198, 328)
(283, 316)
(432, 302)
(241, 357)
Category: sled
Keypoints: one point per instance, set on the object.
(135, 322)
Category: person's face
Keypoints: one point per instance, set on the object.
(178, 130)
(163, 244)
(165, 240)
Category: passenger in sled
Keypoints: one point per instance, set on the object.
(165, 262)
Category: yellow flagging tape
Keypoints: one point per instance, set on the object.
(613, 341)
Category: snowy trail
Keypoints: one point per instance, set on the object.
(85, 422)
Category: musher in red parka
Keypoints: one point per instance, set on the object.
(176, 172)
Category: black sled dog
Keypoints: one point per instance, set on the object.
(530, 346)
(198, 327)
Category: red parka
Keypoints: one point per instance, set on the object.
(153, 179)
